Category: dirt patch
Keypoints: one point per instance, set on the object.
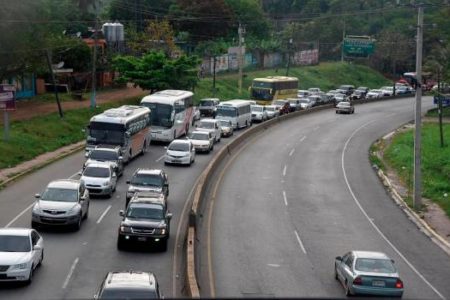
(432, 213)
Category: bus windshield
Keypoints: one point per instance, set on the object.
(161, 114)
(263, 94)
(106, 133)
(226, 111)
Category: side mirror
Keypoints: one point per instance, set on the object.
(169, 215)
(79, 173)
(37, 196)
(37, 247)
(338, 258)
(121, 213)
(86, 154)
(114, 175)
(127, 182)
(165, 147)
(120, 157)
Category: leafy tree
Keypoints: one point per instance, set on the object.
(250, 14)
(155, 71)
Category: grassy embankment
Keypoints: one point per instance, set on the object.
(399, 155)
(33, 137)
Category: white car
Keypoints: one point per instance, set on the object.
(210, 125)
(21, 252)
(374, 94)
(227, 128)
(387, 91)
(305, 103)
(203, 141)
(100, 179)
(314, 91)
(259, 113)
(272, 111)
(340, 97)
(180, 152)
(303, 93)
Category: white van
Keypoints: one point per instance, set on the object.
(237, 111)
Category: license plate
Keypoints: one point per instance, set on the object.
(142, 238)
(176, 161)
(378, 283)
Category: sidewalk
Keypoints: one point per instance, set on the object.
(28, 109)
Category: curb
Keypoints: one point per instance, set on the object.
(37, 165)
(413, 216)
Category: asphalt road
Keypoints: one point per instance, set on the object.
(304, 192)
(75, 263)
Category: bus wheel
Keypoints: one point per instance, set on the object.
(144, 147)
(187, 129)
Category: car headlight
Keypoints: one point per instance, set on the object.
(36, 208)
(124, 228)
(106, 183)
(19, 266)
(74, 210)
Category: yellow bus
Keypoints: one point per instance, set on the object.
(265, 90)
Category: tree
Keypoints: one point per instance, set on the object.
(155, 71)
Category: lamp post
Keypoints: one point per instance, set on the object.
(289, 56)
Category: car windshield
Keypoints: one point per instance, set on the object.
(226, 111)
(257, 108)
(343, 103)
(146, 180)
(147, 211)
(14, 243)
(179, 147)
(304, 101)
(280, 102)
(96, 172)
(374, 265)
(60, 194)
(128, 293)
(207, 125)
(103, 155)
(224, 123)
(199, 136)
(207, 103)
(270, 108)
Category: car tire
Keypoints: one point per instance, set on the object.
(164, 245)
(34, 225)
(335, 274)
(120, 244)
(30, 278)
(77, 226)
(348, 293)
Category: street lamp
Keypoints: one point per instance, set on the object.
(289, 56)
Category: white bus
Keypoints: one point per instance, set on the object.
(237, 111)
(172, 113)
(127, 126)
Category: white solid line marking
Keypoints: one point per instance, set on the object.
(284, 170)
(103, 214)
(160, 158)
(303, 138)
(285, 198)
(292, 152)
(72, 268)
(274, 265)
(300, 242)
(76, 174)
(371, 221)
(19, 215)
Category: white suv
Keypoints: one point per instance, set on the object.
(210, 125)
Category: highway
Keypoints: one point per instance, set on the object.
(302, 193)
(75, 263)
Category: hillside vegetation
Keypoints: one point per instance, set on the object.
(47, 133)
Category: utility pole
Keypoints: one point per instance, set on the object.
(342, 47)
(55, 89)
(241, 32)
(94, 60)
(417, 195)
(289, 56)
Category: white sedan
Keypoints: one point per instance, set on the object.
(21, 252)
(180, 152)
(203, 141)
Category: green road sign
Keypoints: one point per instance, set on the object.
(358, 46)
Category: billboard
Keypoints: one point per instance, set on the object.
(7, 97)
(358, 46)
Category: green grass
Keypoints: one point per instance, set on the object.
(373, 157)
(434, 112)
(435, 162)
(30, 138)
(326, 76)
(33, 137)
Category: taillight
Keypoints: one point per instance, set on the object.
(357, 281)
(399, 284)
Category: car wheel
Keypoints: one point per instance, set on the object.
(348, 293)
(77, 226)
(164, 245)
(42, 258)
(30, 277)
(335, 274)
(120, 244)
(34, 225)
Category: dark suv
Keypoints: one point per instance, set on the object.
(107, 153)
(208, 107)
(145, 220)
(129, 285)
(148, 180)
